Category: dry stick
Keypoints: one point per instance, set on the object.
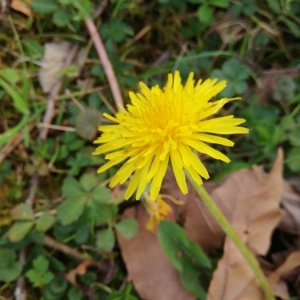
(100, 9)
(20, 286)
(12, 144)
(51, 243)
(105, 62)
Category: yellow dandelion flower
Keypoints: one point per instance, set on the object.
(166, 125)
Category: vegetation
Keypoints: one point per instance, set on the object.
(64, 234)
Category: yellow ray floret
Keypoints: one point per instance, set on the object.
(163, 126)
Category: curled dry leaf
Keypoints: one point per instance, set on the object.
(229, 29)
(291, 209)
(275, 279)
(148, 267)
(251, 197)
(22, 6)
(255, 215)
(79, 270)
(53, 63)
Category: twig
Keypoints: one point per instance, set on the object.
(105, 62)
(57, 127)
(32, 190)
(99, 10)
(49, 114)
(12, 144)
(20, 286)
(50, 242)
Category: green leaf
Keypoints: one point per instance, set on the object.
(197, 256)
(22, 212)
(205, 14)
(294, 137)
(39, 274)
(56, 288)
(190, 280)
(275, 6)
(293, 159)
(88, 181)
(10, 269)
(70, 210)
(18, 231)
(101, 194)
(127, 228)
(197, 1)
(218, 74)
(230, 67)
(103, 213)
(82, 234)
(293, 27)
(178, 248)
(242, 73)
(173, 240)
(44, 222)
(61, 18)
(18, 101)
(75, 293)
(41, 264)
(38, 279)
(219, 3)
(10, 133)
(44, 6)
(87, 123)
(105, 239)
(116, 30)
(72, 189)
(240, 87)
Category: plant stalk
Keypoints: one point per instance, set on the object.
(231, 233)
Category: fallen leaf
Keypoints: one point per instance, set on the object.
(290, 209)
(170, 187)
(233, 278)
(79, 270)
(268, 82)
(276, 278)
(252, 196)
(257, 206)
(230, 29)
(148, 267)
(87, 123)
(22, 6)
(53, 63)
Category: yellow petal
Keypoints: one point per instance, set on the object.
(179, 174)
(158, 177)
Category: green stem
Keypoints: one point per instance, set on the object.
(228, 229)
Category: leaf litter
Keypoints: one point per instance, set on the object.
(250, 199)
(148, 267)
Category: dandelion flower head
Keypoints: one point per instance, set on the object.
(166, 125)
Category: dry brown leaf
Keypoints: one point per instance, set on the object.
(291, 209)
(253, 196)
(79, 270)
(148, 267)
(268, 82)
(53, 62)
(170, 187)
(256, 213)
(275, 279)
(21, 6)
(233, 279)
(230, 29)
